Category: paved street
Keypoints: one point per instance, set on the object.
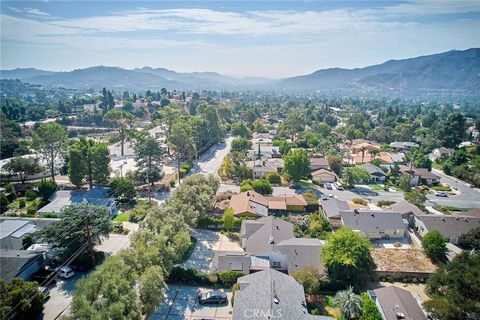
(211, 160)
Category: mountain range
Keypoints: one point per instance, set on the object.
(449, 72)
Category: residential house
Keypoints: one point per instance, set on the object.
(383, 157)
(453, 227)
(263, 167)
(471, 213)
(332, 208)
(13, 230)
(271, 294)
(377, 175)
(439, 153)
(97, 196)
(403, 146)
(420, 176)
(20, 264)
(249, 203)
(319, 163)
(266, 151)
(406, 209)
(365, 146)
(263, 138)
(398, 157)
(395, 303)
(324, 176)
(375, 224)
(269, 242)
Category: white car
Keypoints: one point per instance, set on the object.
(65, 272)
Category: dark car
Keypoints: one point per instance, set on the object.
(215, 296)
(328, 186)
(295, 186)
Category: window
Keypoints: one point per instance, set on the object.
(276, 264)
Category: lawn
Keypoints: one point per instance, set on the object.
(122, 217)
(308, 184)
(375, 187)
(450, 209)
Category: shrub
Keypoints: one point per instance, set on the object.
(183, 172)
(229, 277)
(309, 278)
(189, 276)
(262, 186)
(50, 215)
(172, 183)
(235, 288)
(31, 211)
(360, 201)
(274, 178)
(3, 202)
(442, 188)
(46, 188)
(10, 188)
(434, 245)
(30, 195)
(187, 166)
(21, 203)
(312, 200)
(385, 203)
(318, 183)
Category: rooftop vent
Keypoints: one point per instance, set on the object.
(270, 240)
(465, 219)
(372, 214)
(443, 219)
(278, 228)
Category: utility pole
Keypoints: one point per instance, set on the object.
(89, 236)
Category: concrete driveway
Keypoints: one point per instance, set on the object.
(208, 242)
(181, 303)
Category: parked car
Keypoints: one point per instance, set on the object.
(441, 194)
(338, 186)
(214, 296)
(295, 186)
(328, 186)
(65, 272)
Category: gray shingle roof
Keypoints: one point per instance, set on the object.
(372, 220)
(269, 235)
(449, 226)
(14, 262)
(373, 169)
(395, 300)
(332, 207)
(271, 295)
(405, 208)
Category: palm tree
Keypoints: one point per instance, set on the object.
(350, 303)
(374, 153)
(363, 149)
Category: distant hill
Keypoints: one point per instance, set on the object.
(449, 73)
(452, 70)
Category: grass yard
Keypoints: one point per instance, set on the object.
(308, 184)
(376, 187)
(450, 209)
(122, 217)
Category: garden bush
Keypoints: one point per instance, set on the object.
(31, 211)
(318, 183)
(173, 182)
(228, 278)
(360, 201)
(274, 178)
(30, 195)
(188, 276)
(385, 203)
(21, 203)
(312, 200)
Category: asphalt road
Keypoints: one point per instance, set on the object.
(211, 160)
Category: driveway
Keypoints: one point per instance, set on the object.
(181, 303)
(209, 242)
(61, 292)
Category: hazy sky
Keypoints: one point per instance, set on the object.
(260, 38)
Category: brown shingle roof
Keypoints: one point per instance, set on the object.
(245, 202)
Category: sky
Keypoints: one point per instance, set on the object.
(241, 38)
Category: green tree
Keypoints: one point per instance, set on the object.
(404, 182)
(73, 222)
(354, 175)
(121, 121)
(246, 185)
(88, 162)
(228, 219)
(349, 303)
(297, 164)
(294, 123)
(227, 168)
(453, 130)
(241, 144)
(310, 279)
(181, 141)
(323, 130)
(51, 141)
(258, 126)
(369, 308)
(46, 188)
(3, 202)
(347, 257)
(472, 239)
(20, 299)
(151, 289)
(416, 197)
(274, 178)
(454, 288)
(215, 130)
(24, 167)
(336, 164)
(123, 190)
(149, 155)
(240, 130)
(434, 245)
(168, 116)
(262, 186)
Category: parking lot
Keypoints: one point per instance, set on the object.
(209, 242)
(181, 303)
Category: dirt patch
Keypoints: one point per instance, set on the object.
(410, 260)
